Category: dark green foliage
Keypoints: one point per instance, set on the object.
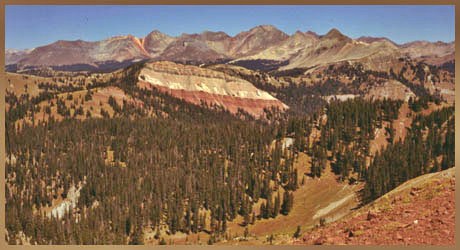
(190, 158)
(195, 158)
(413, 157)
(288, 202)
(297, 232)
(162, 242)
(113, 103)
(322, 222)
(349, 127)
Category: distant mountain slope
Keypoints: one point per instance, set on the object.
(435, 53)
(370, 39)
(118, 49)
(13, 56)
(288, 48)
(156, 42)
(264, 42)
(335, 47)
(255, 40)
(187, 49)
(425, 49)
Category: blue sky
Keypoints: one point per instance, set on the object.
(32, 26)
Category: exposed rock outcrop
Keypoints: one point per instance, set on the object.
(197, 85)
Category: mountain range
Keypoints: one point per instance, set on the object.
(259, 46)
(257, 138)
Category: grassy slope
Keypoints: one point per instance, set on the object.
(325, 194)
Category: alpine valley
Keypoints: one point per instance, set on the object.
(257, 138)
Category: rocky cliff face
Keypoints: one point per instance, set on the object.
(392, 90)
(199, 85)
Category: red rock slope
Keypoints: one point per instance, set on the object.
(197, 85)
(419, 212)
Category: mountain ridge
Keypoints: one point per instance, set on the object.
(262, 42)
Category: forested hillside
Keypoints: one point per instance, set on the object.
(99, 162)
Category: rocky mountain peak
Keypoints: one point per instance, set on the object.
(335, 34)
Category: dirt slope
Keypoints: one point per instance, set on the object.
(419, 212)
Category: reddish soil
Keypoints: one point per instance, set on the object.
(404, 121)
(400, 125)
(254, 107)
(420, 212)
(379, 141)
